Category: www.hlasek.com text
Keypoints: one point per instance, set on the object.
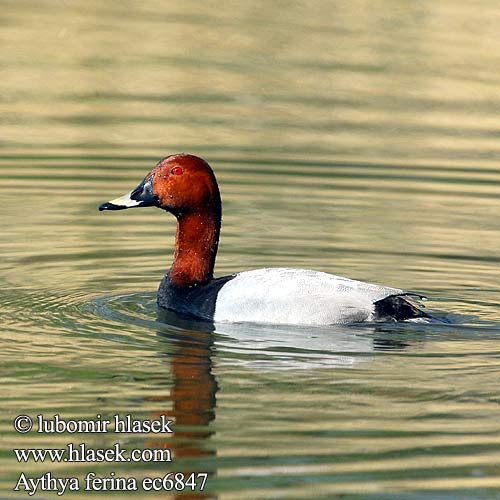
(82, 453)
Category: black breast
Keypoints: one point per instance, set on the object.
(196, 301)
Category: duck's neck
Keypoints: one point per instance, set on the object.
(196, 244)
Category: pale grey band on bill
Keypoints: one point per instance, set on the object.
(125, 201)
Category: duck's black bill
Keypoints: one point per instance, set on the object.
(141, 196)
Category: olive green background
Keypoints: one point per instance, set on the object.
(353, 137)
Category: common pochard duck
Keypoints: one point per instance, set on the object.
(185, 186)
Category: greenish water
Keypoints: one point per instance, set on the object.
(356, 138)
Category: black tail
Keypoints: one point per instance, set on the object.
(398, 308)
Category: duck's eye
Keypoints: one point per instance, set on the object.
(176, 171)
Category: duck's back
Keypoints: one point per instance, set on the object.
(299, 297)
(288, 296)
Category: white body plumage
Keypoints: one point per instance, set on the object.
(298, 297)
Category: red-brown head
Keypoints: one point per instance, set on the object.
(184, 185)
(181, 184)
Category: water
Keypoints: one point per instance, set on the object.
(350, 137)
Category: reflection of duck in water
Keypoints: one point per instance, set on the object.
(192, 400)
(189, 347)
(185, 186)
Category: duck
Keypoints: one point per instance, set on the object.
(185, 186)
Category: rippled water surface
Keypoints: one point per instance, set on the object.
(357, 138)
